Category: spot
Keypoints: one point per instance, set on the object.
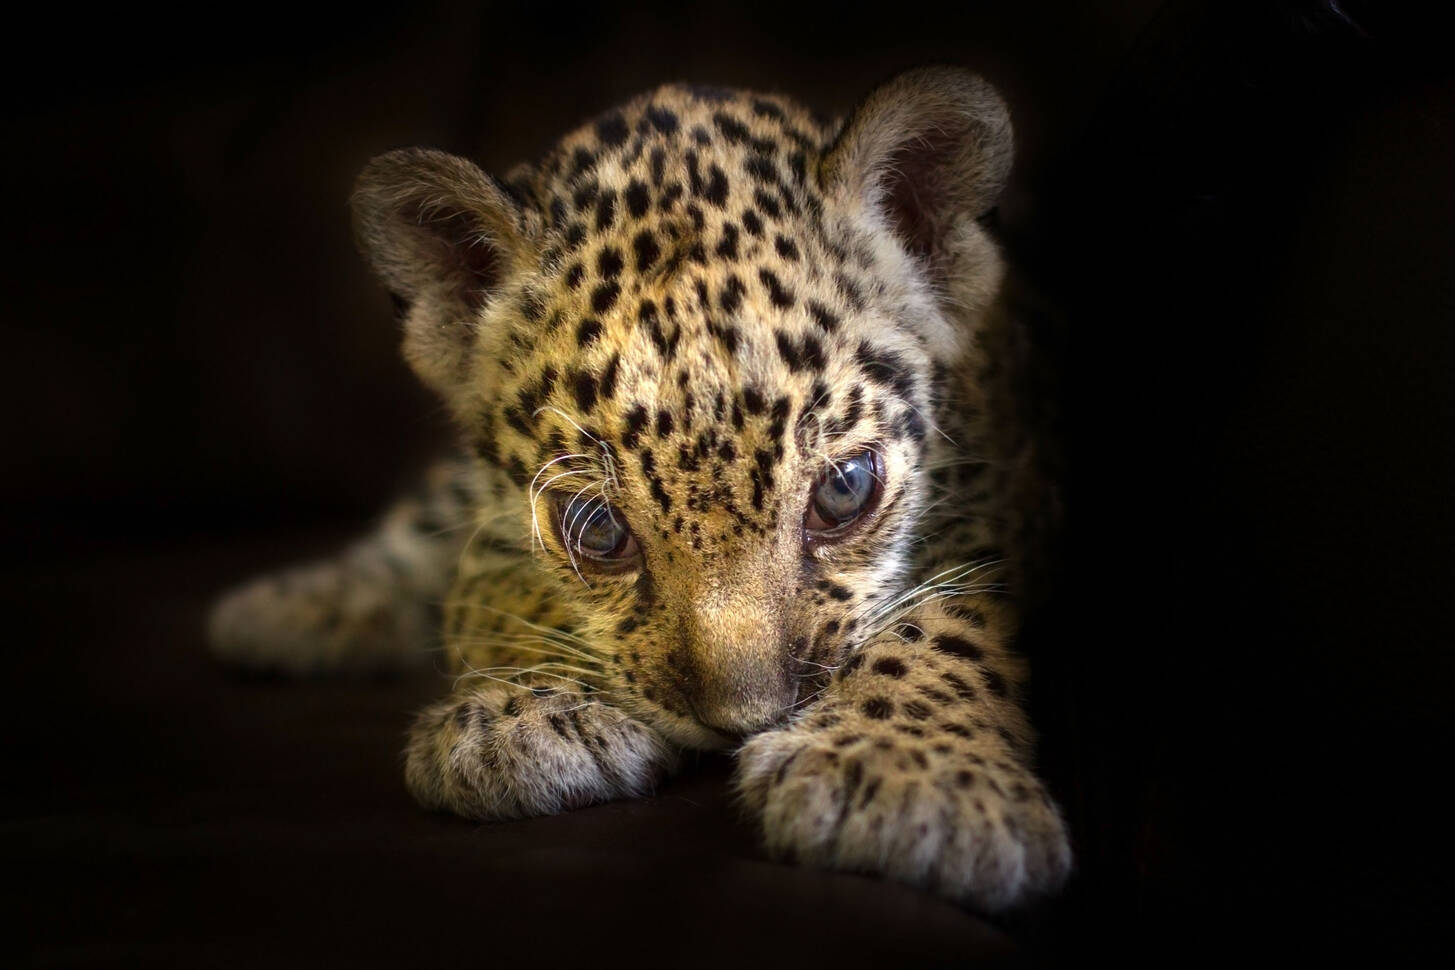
(768, 204)
(717, 187)
(959, 647)
(840, 593)
(781, 297)
(636, 420)
(732, 295)
(909, 632)
(870, 790)
(918, 757)
(660, 494)
(603, 298)
(852, 664)
(965, 779)
(844, 740)
(963, 690)
(889, 666)
(581, 161)
(662, 120)
(573, 275)
(589, 330)
(994, 681)
(638, 198)
(605, 210)
(753, 400)
(700, 135)
(585, 195)
(585, 388)
(726, 451)
(628, 625)
(813, 352)
(959, 730)
(761, 169)
(885, 368)
(659, 163)
(767, 109)
(612, 130)
(877, 708)
(786, 248)
(732, 129)
(752, 223)
(512, 706)
(727, 246)
(608, 264)
(917, 710)
(788, 351)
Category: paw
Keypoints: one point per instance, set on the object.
(929, 812)
(323, 617)
(511, 752)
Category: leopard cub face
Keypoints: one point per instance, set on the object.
(704, 339)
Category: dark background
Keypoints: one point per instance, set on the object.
(1241, 216)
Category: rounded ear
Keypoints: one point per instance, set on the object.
(926, 150)
(442, 235)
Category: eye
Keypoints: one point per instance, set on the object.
(592, 529)
(846, 490)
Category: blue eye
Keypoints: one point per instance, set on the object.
(591, 527)
(844, 492)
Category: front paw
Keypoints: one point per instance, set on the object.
(930, 812)
(512, 752)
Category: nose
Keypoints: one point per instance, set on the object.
(739, 682)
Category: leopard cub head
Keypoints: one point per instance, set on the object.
(705, 337)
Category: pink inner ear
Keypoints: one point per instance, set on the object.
(919, 190)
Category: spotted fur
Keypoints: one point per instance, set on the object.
(690, 308)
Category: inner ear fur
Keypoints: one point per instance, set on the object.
(926, 150)
(442, 236)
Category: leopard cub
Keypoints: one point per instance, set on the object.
(738, 472)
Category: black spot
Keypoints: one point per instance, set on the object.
(768, 204)
(717, 187)
(605, 210)
(659, 163)
(609, 264)
(890, 667)
(752, 223)
(637, 198)
(840, 593)
(581, 161)
(612, 130)
(767, 109)
(573, 275)
(636, 419)
(585, 195)
(732, 295)
(877, 708)
(727, 246)
(786, 248)
(781, 298)
(959, 646)
(628, 625)
(753, 400)
(584, 386)
(917, 710)
(608, 377)
(962, 689)
(603, 298)
(588, 330)
(885, 368)
(959, 730)
(732, 129)
(994, 681)
(788, 351)
(761, 169)
(662, 119)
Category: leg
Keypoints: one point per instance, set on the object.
(914, 764)
(372, 607)
(510, 751)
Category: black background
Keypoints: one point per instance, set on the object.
(1242, 215)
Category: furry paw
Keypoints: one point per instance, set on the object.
(325, 617)
(931, 813)
(512, 752)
